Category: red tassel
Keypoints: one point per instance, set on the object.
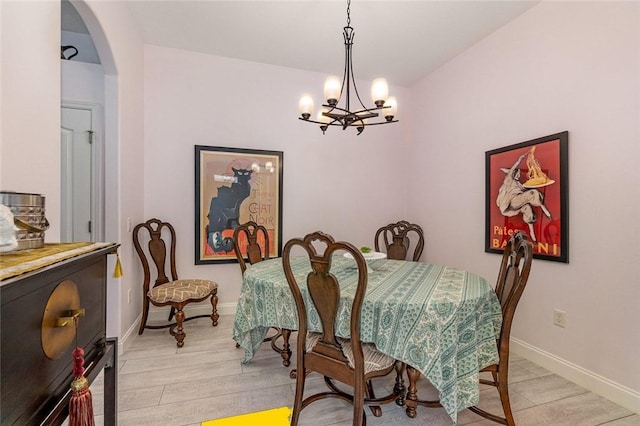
(80, 407)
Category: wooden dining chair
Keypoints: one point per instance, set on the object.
(254, 239)
(512, 279)
(168, 290)
(395, 240)
(349, 361)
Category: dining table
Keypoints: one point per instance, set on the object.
(439, 320)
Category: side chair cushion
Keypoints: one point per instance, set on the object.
(374, 360)
(182, 290)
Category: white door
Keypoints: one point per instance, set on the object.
(77, 175)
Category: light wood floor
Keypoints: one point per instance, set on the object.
(160, 384)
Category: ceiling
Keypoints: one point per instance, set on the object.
(400, 40)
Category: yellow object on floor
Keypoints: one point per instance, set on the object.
(272, 417)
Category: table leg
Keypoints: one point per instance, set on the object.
(412, 393)
(285, 352)
(412, 400)
(399, 387)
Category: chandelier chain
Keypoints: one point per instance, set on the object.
(348, 13)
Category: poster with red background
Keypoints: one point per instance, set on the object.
(526, 189)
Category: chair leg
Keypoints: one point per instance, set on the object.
(145, 314)
(297, 402)
(375, 409)
(503, 389)
(179, 330)
(214, 308)
(358, 405)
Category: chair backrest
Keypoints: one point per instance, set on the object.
(323, 291)
(512, 279)
(396, 241)
(157, 252)
(254, 235)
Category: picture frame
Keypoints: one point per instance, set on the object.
(233, 186)
(527, 189)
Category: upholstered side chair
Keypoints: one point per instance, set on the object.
(165, 288)
(345, 360)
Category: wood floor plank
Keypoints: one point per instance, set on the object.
(160, 384)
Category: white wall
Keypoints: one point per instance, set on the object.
(30, 96)
(331, 182)
(82, 82)
(30, 93)
(120, 48)
(560, 66)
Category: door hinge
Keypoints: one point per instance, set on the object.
(90, 136)
(89, 226)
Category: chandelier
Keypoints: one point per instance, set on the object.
(334, 115)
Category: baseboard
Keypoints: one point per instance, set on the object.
(614, 392)
(125, 341)
(160, 314)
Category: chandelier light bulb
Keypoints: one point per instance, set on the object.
(390, 112)
(305, 106)
(379, 91)
(332, 88)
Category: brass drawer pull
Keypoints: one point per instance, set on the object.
(70, 316)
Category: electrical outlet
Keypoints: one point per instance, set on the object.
(129, 296)
(559, 318)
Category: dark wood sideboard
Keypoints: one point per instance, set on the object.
(35, 389)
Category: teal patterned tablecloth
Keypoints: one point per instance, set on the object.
(441, 320)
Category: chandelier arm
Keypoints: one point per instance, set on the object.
(353, 79)
(376, 124)
(347, 34)
(368, 110)
(332, 123)
(337, 123)
(354, 112)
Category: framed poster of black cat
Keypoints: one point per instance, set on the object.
(234, 186)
